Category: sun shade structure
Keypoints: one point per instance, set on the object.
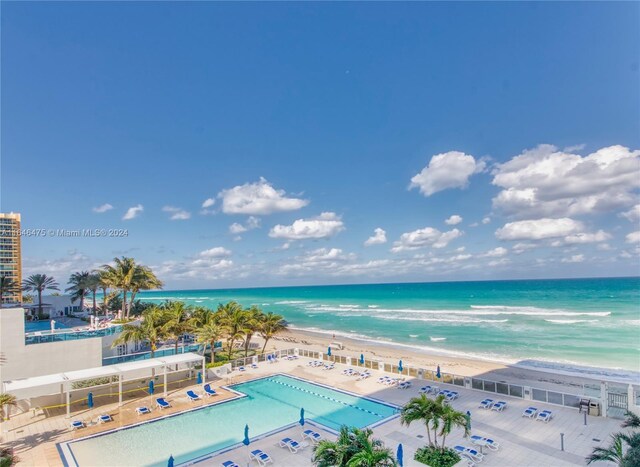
(62, 382)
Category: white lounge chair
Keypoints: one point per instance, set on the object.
(142, 410)
(261, 457)
(544, 416)
(162, 403)
(104, 418)
(482, 441)
(312, 435)
(486, 404)
(530, 412)
(292, 444)
(499, 406)
(193, 396)
(469, 453)
(77, 424)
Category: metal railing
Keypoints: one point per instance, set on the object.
(162, 352)
(41, 337)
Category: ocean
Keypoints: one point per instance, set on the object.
(586, 326)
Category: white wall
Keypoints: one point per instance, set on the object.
(23, 361)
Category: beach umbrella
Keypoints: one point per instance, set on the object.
(361, 359)
(199, 380)
(90, 400)
(151, 388)
(400, 366)
(438, 375)
(301, 417)
(468, 417)
(170, 462)
(246, 439)
(399, 455)
(329, 351)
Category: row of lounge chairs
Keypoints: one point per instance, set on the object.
(359, 374)
(429, 390)
(262, 458)
(490, 404)
(541, 416)
(449, 395)
(78, 424)
(322, 365)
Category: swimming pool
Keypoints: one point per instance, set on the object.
(269, 404)
(42, 325)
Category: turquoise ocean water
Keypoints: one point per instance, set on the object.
(560, 324)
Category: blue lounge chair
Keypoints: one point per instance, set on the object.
(451, 396)
(142, 410)
(261, 457)
(193, 396)
(241, 368)
(162, 403)
(254, 366)
(472, 454)
(229, 464)
(293, 445)
(209, 391)
(488, 442)
(544, 416)
(530, 412)
(486, 404)
(104, 418)
(77, 424)
(312, 435)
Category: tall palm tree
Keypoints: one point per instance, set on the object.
(233, 318)
(614, 453)
(252, 325)
(7, 287)
(177, 321)
(150, 330)
(143, 279)
(353, 448)
(79, 287)
(120, 277)
(93, 284)
(103, 284)
(624, 450)
(451, 418)
(419, 409)
(6, 401)
(39, 283)
(271, 325)
(209, 333)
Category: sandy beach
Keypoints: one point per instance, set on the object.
(390, 352)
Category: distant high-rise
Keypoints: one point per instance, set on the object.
(10, 254)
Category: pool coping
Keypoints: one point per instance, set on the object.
(66, 453)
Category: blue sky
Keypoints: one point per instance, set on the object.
(519, 118)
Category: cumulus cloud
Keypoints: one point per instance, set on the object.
(633, 237)
(259, 198)
(573, 259)
(633, 214)
(102, 208)
(206, 205)
(547, 182)
(133, 212)
(379, 236)
(486, 220)
(236, 228)
(177, 214)
(496, 252)
(586, 237)
(519, 248)
(539, 229)
(453, 220)
(216, 252)
(252, 223)
(423, 238)
(325, 225)
(448, 170)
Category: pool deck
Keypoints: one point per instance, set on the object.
(523, 442)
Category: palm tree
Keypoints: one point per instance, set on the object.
(39, 283)
(271, 325)
(120, 277)
(150, 330)
(419, 409)
(7, 287)
(614, 453)
(103, 284)
(353, 448)
(631, 421)
(233, 318)
(143, 279)
(6, 401)
(79, 287)
(624, 450)
(252, 325)
(93, 284)
(451, 418)
(210, 333)
(177, 321)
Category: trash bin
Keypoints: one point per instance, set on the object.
(594, 409)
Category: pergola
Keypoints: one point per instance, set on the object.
(42, 385)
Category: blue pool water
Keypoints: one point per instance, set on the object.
(270, 403)
(44, 325)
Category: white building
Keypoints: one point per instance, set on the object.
(54, 306)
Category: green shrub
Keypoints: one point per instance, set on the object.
(436, 457)
(215, 364)
(87, 383)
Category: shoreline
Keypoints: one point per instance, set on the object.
(480, 368)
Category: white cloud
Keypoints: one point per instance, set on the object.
(259, 198)
(102, 208)
(207, 203)
(519, 248)
(633, 214)
(379, 236)
(547, 182)
(133, 212)
(573, 259)
(633, 237)
(325, 225)
(448, 170)
(216, 252)
(496, 252)
(586, 237)
(252, 223)
(177, 214)
(453, 220)
(499, 262)
(539, 229)
(424, 237)
(486, 220)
